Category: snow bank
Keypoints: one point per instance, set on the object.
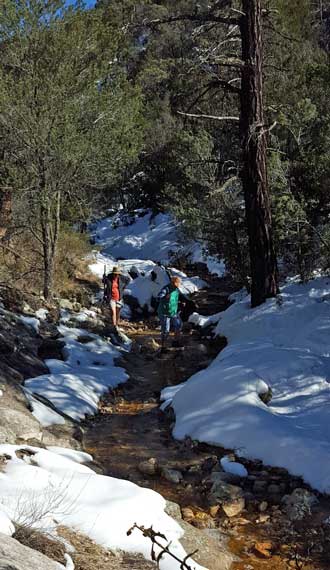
(141, 237)
(52, 487)
(282, 345)
(76, 385)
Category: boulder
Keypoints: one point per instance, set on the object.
(260, 486)
(222, 477)
(15, 556)
(299, 504)
(66, 304)
(149, 467)
(51, 348)
(23, 425)
(7, 435)
(172, 475)
(230, 497)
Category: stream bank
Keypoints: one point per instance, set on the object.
(131, 438)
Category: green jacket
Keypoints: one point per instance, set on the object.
(168, 307)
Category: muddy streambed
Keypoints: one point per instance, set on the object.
(131, 438)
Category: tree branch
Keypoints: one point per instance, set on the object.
(211, 117)
(202, 18)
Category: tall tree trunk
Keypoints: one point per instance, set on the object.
(254, 168)
(50, 227)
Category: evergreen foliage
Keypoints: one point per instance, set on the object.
(117, 104)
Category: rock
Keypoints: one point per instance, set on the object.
(15, 556)
(263, 518)
(234, 507)
(173, 510)
(213, 510)
(260, 486)
(149, 467)
(85, 339)
(66, 304)
(221, 476)
(24, 426)
(262, 549)
(230, 497)
(187, 514)
(274, 489)
(172, 475)
(210, 463)
(201, 348)
(263, 506)
(6, 346)
(51, 348)
(211, 544)
(7, 435)
(299, 504)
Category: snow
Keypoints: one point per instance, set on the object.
(198, 254)
(233, 467)
(69, 562)
(45, 415)
(144, 288)
(41, 314)
(141, 242)
(50, 489)
(6, 525)
(146, 238)
(75, 386)
(283, 345)
(32, 322)
(201, 321)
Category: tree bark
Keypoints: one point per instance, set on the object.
(5, 211)
(253, 136)
(50, 226)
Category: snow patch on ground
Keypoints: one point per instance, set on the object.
(52, 487)
(6, 525)
(76, 385)
(233, 467)
(32, 322)
(283, 345)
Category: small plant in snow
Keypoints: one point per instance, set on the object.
(158, 549)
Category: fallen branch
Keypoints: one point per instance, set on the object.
(154, 536)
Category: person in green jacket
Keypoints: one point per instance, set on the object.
(168, 310)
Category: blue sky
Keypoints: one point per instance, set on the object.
(89, 3)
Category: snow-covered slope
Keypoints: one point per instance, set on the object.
(141, 237)
(46, 488)
(142, 242)
(282, 345)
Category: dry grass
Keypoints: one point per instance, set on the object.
(21, 269)
(40, 541)
(90, 556)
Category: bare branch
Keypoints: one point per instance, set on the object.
(203, 18)
(211, 117)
